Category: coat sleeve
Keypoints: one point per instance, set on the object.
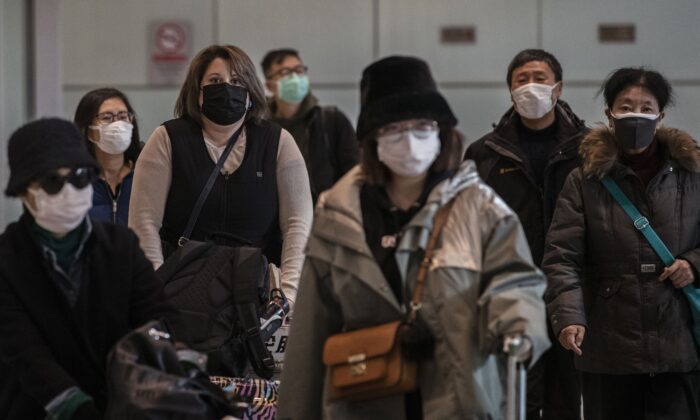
(295, 213)
(346, 144)
(149, 193)
(564, 257)
(316, 317)
(511, 300)
(23, 347)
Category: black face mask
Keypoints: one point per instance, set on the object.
(634, 132)
(224, 104)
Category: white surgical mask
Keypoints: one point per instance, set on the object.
(115, 137)
(62, 212)
(533, 100)
(408, 155)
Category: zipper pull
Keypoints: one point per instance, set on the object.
(114, 211)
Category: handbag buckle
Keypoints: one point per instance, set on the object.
(641, 223)
(357, 364)
(182, 241)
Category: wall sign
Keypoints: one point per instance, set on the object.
(465, 34)
(620, 33)
(170, 50)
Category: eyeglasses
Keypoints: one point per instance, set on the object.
(79, 177)
(286, 71)
(109, 118)
(422, 129)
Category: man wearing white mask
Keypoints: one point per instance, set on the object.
(69, 287)
(526, 159)
(324, 134)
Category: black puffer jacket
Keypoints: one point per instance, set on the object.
(602, 272)
(502, 164)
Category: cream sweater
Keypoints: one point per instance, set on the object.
(153, 175)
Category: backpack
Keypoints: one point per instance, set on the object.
(220, 292)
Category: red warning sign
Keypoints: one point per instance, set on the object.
(169, 53)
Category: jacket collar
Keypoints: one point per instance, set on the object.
(309, 103)
(338, 220)
(600, 154)
(569, 126)
(342, 205)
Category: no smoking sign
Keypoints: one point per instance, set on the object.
(170, 44)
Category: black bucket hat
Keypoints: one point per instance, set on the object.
(41, 147)
(399, 88)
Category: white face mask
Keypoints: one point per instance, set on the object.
(115, 138)
(533, 100)
(408, 155)
(62, 212)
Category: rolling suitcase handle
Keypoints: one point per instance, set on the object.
(516, 380)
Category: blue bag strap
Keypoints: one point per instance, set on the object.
(640, 222)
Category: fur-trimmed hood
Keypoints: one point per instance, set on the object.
(599, 151)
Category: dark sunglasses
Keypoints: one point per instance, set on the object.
(79, 177)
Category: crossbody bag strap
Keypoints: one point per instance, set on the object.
(207, 188)
(641, 223)
(439, 223)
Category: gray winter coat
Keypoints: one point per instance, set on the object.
(482, 284)
(602, 272)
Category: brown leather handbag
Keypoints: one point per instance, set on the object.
(369, 363)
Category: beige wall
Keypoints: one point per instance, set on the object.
(105, 43)
(338, 39)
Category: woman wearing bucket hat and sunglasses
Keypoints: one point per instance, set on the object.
(368, 238)
(69, 287)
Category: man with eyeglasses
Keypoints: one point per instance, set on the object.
(70, 287)
(324, 134)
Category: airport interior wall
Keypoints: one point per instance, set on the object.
(106, 44)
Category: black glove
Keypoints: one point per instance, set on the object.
(87, 411)
(417, 341)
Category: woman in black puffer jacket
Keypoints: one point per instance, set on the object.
(611, 300)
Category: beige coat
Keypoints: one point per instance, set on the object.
(481, 285)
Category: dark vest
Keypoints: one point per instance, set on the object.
(242, 207)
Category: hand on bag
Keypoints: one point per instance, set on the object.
(571, 338)
(680, 273)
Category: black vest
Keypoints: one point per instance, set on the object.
(244, 204)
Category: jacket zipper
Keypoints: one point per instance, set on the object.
(114, 205)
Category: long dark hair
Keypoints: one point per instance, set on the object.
(87, 110)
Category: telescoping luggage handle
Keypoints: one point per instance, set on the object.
(516, 380)
(207, 188)
(642, 224)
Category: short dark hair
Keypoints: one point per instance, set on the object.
(625, 77)
(449, 159)
(187, 105)
(526, 56)
(87, 110)
(276, 57)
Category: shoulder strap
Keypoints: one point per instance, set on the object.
(640, 222)
(439, 223)
(207, 187)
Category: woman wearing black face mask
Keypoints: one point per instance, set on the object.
(262, 193)
(612, 301)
